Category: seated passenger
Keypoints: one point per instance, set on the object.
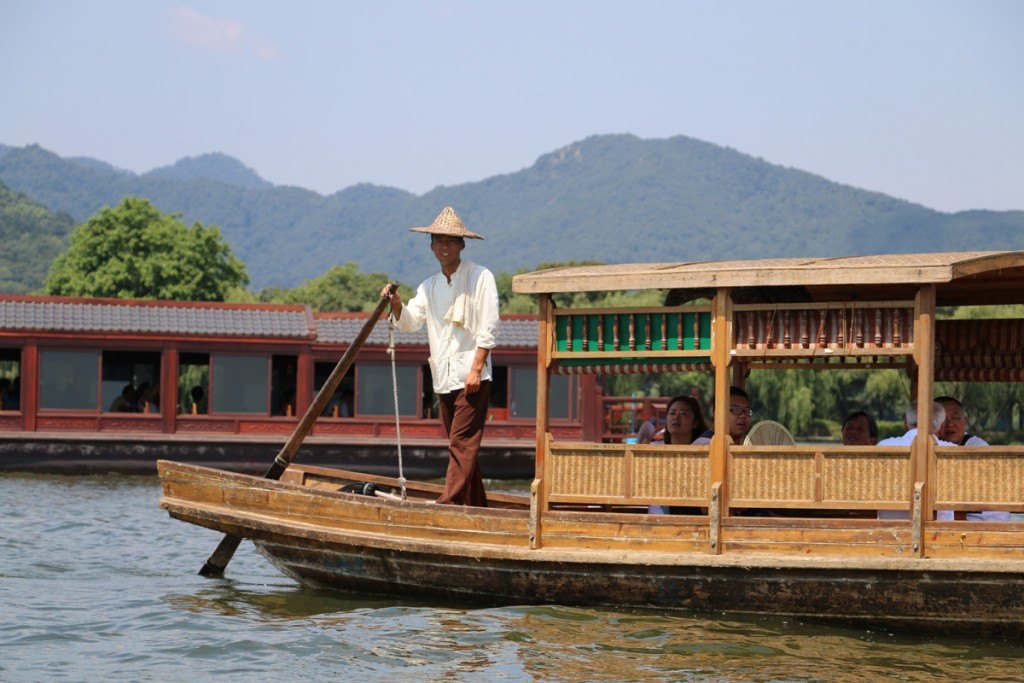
(860, 429)
(684, 421)
(12, 400)
(740, 418)
(954, 430)
(125, 403)
(5, 387)
(198, 396)
(910, 424)
(149, 398)
(684, 424)
(646, 433)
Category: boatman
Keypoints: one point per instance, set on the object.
(459, 306)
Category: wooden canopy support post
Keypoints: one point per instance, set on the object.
(923, 451)
(739, 374)
(721, 345)
(545, 347)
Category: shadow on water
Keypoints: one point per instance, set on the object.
(292, 602)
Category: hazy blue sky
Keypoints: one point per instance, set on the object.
(920, 100)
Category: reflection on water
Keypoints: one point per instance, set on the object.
(97, 583)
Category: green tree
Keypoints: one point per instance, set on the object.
(133, 251)
(341, 288)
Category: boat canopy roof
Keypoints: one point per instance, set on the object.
(973, 277)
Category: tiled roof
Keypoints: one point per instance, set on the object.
(513, 332)
(144, 317)
(194, 319)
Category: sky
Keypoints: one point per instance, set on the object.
(920, 100)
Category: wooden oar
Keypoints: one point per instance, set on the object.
(229, 544)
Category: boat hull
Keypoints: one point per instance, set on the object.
(366, 545)
(947, 602)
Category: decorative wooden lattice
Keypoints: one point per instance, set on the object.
(636, 340)
(979, 350)
(875, 327)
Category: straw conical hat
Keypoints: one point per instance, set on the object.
(448, 223)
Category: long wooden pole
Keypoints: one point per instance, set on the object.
(218, 561)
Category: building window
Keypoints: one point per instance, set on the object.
(131, 382)
(10, 379)
(240, 384)
(69, 380)
(193, 383)
(342, 401)
(497, 405)
(283, 372)
(374, 393)
(523, 403)
(429, 403)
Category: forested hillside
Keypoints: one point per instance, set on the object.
(31, 236)
(611, 198)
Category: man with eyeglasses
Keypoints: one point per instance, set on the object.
(740, 417)
(954, 429)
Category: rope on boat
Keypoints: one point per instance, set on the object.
(394, 393)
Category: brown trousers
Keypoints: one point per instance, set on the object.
(464, 416)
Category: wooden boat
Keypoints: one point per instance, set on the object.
(788, 529)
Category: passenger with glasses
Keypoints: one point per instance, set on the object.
(954, 430)
(741, 417)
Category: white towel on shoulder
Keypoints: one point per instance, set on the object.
(462, 306)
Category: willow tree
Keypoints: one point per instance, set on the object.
(133, 251)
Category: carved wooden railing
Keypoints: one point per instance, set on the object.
(623, 340)
(824, 329)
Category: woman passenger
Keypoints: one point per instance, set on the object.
(684, 423)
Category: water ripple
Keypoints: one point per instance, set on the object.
(96, 583)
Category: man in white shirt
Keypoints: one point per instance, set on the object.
(954, 430)
(910, 424)
(459, 306)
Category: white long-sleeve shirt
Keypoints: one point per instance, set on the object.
(452, 346)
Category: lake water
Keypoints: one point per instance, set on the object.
(96, 583)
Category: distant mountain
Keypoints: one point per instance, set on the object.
(97, 165)
(613, 198)
(32, 236)
(216, 166)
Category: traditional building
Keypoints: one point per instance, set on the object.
(111, 383)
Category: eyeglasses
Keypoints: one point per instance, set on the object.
(737, 411)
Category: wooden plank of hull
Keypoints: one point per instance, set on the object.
(359, 543)
(925, 599)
